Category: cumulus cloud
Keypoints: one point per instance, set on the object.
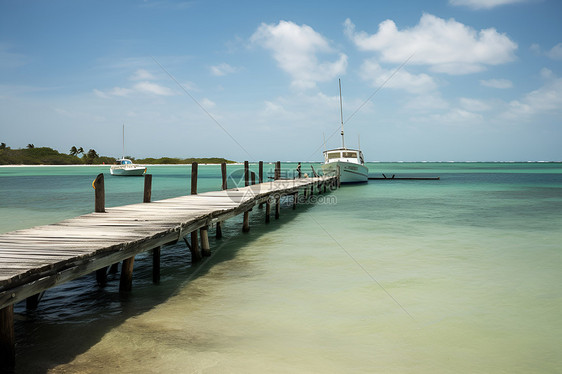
(546, 99)
(446, 46)
(297, 50)
(497, 83)
(474, 105)
(222, 69)
(142, 75)
(144, 87)
(556, 52)
(413, 83)
(484, 4)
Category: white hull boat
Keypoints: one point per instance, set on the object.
(352, 169)
(349, 163)
(126, 167)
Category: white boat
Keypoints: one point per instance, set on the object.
(349, 162)
(126, 167)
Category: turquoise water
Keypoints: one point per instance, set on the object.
(457, 275)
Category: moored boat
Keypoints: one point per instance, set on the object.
(126, 167)
(349, 163)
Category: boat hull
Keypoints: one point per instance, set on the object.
(129, 171)
(350, 172)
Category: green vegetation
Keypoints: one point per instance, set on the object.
(172, 160)
(47, 156)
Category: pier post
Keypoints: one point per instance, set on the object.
(218, 230)
(277, 170)
(267, 211)
(194, 178)
(101, 276)
(295, 198)
(277, 206)
(32, 302)
(100, 194)
(223, 172)
(156, 265)
(147, 188)
(126, 282)
(205, 247)
(246, 174)
(253, 178)
(7, 339)
(246, 223)
(260, 171)
(195, 253)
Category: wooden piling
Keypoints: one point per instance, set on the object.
(156, 265)
(277, 206)
(7, 339)
(100, 194)
(147, 188)
(267, 211)
(194, 178)
(253, 178)
(205, 247)
(277, 170)
(295, 198)
(246, 174)
(218, 230)
(195, 253)
(260, 171)
(101, 276)
(32, 302)
(246, 223)
(223, 173)
(126, 282)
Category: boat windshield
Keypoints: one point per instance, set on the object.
(126, 162)
(333, 155)
(350, 155)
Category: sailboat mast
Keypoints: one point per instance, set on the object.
(341, 115)
(123, 141)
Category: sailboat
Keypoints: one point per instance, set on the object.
(126, 167)
(350, 162)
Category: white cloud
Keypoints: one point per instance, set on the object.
(556, 52)
(420, 83)
(9, 59)
(222, 69)
(547, 99)
(447, 46)
(497, 83)
(296, 50)
(145, 87)
(142, 75)
(484, 4)
(474, 105)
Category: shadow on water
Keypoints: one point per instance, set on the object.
(73, 317)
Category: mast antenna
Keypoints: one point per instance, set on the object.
(341, 115)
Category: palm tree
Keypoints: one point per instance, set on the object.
(30, 146)
(3, 146)
(73, 151)
(92, 154)
(80, 150)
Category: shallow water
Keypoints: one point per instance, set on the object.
(457, 275)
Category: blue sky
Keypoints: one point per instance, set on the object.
(448, 80)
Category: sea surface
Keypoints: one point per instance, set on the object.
(459, 275)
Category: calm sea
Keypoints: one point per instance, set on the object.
(460, 275)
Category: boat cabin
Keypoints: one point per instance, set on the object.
(344, 155)
(123, 161)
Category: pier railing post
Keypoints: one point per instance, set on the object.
(195, 253)
(267, 211)
(99, 194)
(277, 170)
(277, 206)
(246, 223)
(260, 171)
(246, 174)
(7, 339)
(147, 188)
(223, 172)
(194, 178)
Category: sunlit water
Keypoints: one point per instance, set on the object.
(457, 275)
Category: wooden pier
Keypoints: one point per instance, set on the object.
(36, 259)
